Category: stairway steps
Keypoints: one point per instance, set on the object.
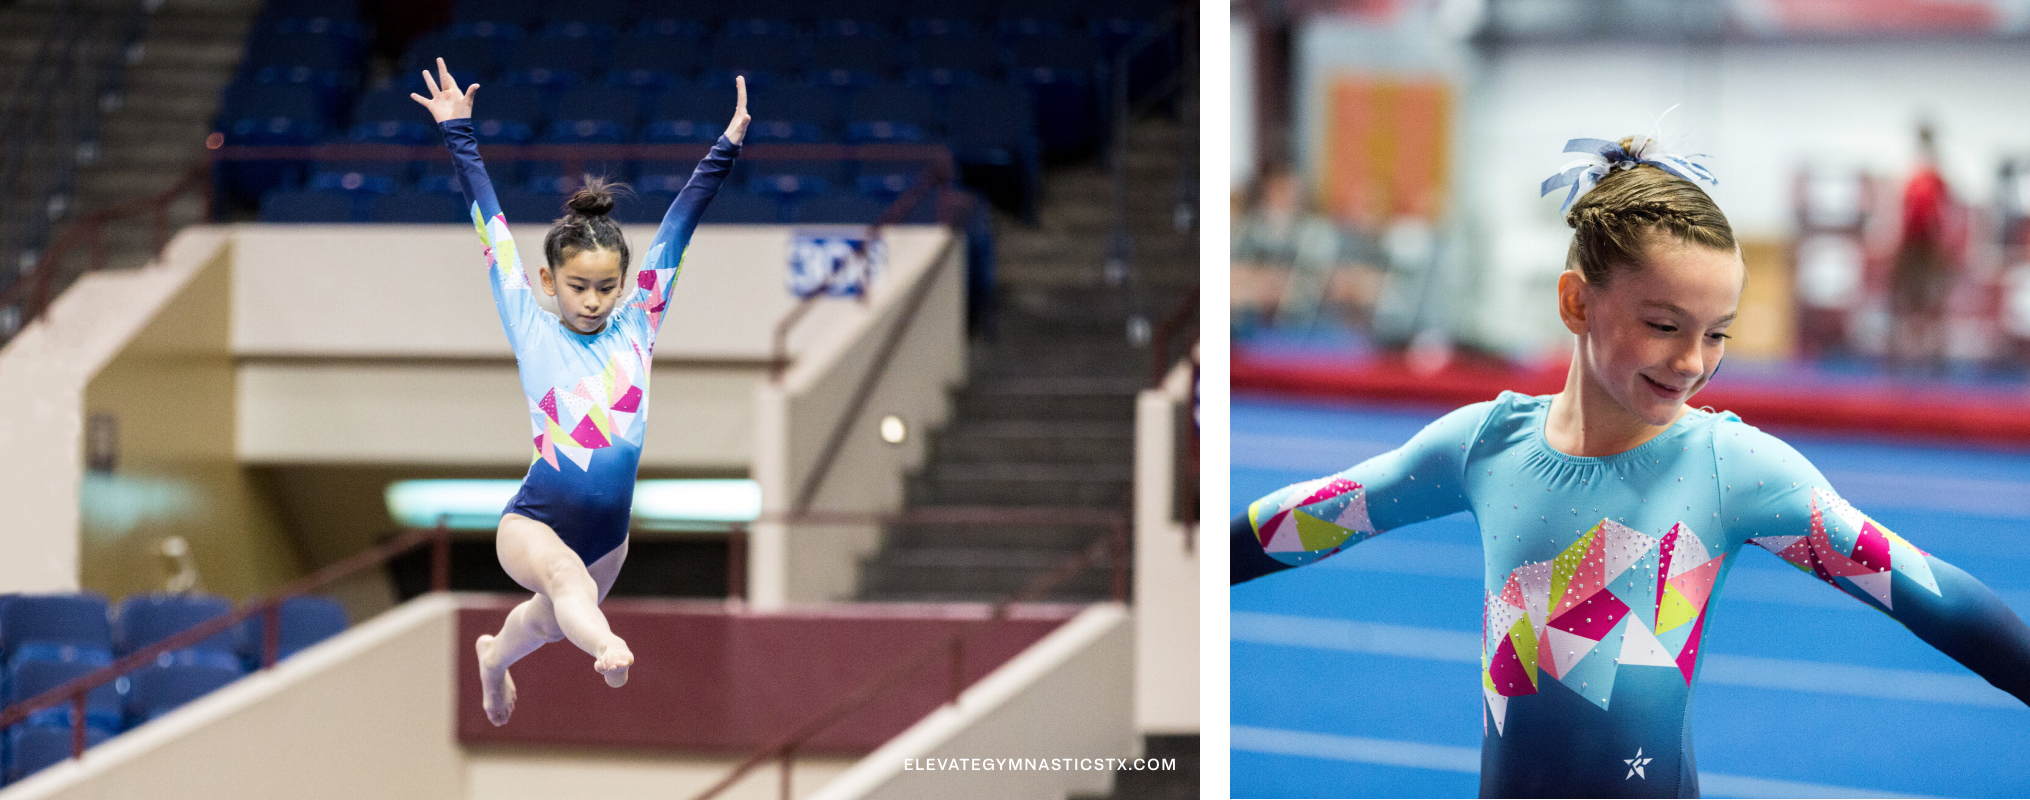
(1053, 539)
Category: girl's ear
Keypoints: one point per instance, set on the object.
(1572, 301)
(549, 280)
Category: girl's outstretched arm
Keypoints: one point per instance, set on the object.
(512, 295)
(666, 254)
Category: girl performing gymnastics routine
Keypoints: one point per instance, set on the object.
(585, 372)
(1611, 512)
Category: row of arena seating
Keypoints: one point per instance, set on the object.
(731, 207)
(1002, 85)
(887, 15)
(49, 640)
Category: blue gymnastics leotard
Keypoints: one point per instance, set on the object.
(1600, 571)
(587, 393)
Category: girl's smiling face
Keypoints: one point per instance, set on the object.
(587, 288)
(1653, 336)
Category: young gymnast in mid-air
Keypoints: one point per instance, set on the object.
(585, 371)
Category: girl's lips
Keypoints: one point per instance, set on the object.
(1661, 390)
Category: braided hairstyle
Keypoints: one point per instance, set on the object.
(1614, 221)
(586, 226)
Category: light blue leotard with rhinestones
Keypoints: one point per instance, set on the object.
(587, 392)
(1600, 571)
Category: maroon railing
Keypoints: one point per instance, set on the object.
(90, 231)
(1113, 546)
(269, 606)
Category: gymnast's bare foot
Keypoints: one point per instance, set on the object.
(614, 659)
(496, 687)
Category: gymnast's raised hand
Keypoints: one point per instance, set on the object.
(447, 102)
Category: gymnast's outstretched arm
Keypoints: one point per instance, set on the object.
(666, 254)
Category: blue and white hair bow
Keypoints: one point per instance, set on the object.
(1603, 157)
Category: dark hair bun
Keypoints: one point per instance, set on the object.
(594, 200)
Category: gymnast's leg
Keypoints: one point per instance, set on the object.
(565, 606)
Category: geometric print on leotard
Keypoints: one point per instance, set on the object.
(1308, 521)
(1848, 549)
(1616, 597)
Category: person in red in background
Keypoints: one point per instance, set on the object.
(1922, 274)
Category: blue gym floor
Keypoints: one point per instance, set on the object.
(1404, 718)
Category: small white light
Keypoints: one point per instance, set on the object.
(893, 431)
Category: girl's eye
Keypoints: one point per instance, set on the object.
(1673, 329)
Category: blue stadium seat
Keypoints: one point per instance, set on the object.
(250, 108)
(736, 207)
(31, 748)
(595, 114)
(688, 113)
(880, 12)
(504, 33)
(360, 177)
(833, 173)
(614, 16)
(309, 9)
(851, 61)
(32, 677)
(604, 29)
(471, 59)
(977, 55)
(530, 208)
(887, 114)
(993, 137)
(939, 22)
(764, 62)
(302, 49)
(556, 61)
(810, 112)
(643, 208)
(417, 208)
(761, 24)
(309, 619)
(854, 20)
(522, 13)
(170, 682)
(55, 621)
(837, 209)
(150, 618)
(788, 187)
(508, 115)
(1062, 75)
(654, 61)
(887, 179)
(664, 22)
(307, 205)
(388, 116)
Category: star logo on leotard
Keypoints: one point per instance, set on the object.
(1635, 765)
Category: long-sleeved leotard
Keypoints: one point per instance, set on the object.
(587, 393)
(1600, 571)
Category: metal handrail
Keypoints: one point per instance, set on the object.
(938, 176)
(90, 230)
(77, 33)
(1180, 319)
(1114, 545)
(269, 606)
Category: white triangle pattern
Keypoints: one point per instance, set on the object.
(1641, 647)
(1625, 546)
(1567, 648)
(1497, 706)
(1876, 584)
(1687, 552)
(1535, 582)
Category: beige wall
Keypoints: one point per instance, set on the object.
(468, 414)
(1067, 696)
(422, 290)
(528, 774)
(1166, 570)
(44, 372)
(794, 419)
(171, 394)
